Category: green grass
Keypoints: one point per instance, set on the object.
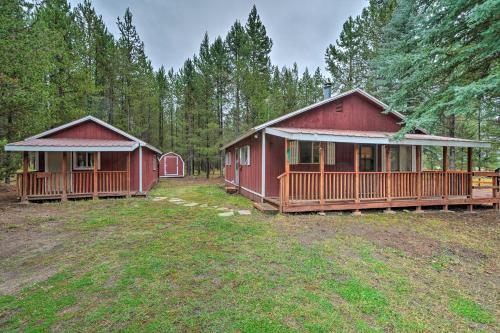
(138, 265)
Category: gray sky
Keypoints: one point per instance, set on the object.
(172, 30)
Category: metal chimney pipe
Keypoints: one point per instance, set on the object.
(327, 89)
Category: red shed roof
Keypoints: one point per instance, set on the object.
(64, 144)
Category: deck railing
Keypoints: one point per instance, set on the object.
(51, 184)
(303, 186)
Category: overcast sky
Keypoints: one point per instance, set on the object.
(172, 30)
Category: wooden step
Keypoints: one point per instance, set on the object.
(266, 207)
(231, 189)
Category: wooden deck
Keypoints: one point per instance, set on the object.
(330, 191)
(73, 185)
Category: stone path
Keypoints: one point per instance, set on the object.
(224, 211)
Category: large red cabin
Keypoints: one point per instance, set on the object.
(334, 155)
(85, 158)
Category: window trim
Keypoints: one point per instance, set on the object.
(227, 158)
(75, 164)
(247, 148)
(312, 152)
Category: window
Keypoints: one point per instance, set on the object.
(401, 158)
(367, 158)
(84, 160)
(245, 155)
(227, 158)
(330, 153)
(33, 160)
(308, 152)
(154, 163)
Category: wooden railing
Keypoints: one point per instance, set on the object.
(297, 186)
(51, 184)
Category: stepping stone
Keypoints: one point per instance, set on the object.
(226, 214)
(222, 208)
(191, 204)
(244, 212)
(204, 206)
(175, 200)
(179, 202)
(159, 198)
(215, 206)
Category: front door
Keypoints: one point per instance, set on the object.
(171, 166)
(237, 167)
(53, 162)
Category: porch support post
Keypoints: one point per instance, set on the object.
(321, 173)
(64, 195)
(94, 173)
(24, 194)
(128, 174)
(469, 176)
(356, 177)
(388, 176)
(445, 177)
(418, 167)
(287, 174)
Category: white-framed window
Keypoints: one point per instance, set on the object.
(155, 164)
(83, 160)
(245, 155)
(34, 163)
(227, 158)
(308, 152)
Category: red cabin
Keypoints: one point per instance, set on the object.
(340, 154)
(171, 165)
(85, 158)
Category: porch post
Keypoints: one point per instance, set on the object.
(24, 194)
(356, 177)
(287, 174)
(128, 174)
(469, 176)
(321, 173)
(94, 173)
(64, 195)
(445, 177)
(418, 166)
(388, 176)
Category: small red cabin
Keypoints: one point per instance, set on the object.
(85, 158)
(171, 165)
(341, 154)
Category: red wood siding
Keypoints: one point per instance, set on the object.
(358, 113)
(87, 130)
(113, 161)
(250, 175)
(149, 174)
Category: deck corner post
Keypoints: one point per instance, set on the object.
(445, 177)
(469, 172)
(287, 175)
(94, 174)
(322, 173)
(128, 174)
(24, 194)
(388, 171)
(356, 173)
(418, 166)
(64, 195)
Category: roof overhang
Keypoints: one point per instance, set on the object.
(372, 138)
(70, 145)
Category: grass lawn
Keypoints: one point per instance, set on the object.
(141, 265)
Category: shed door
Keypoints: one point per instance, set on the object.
(171, 165)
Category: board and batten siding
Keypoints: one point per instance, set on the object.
(250, 175)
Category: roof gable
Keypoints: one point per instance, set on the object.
(119, 133)
(314, 106)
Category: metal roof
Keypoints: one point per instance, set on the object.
(66, 144)
(313, 106)
(371, 137)
(100, 122)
